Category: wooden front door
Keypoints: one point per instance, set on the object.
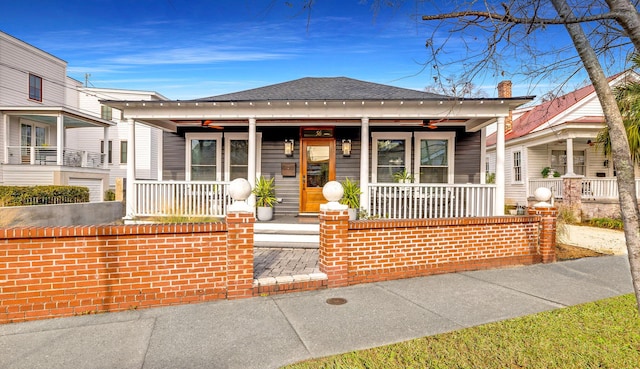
(318, 166)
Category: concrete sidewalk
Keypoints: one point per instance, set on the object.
(267, 332)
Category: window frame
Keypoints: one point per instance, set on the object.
(125, 144)
(384, 136)
(450, 137)
(106, 112)
(203, 136)
(517, 176)
(228, 137)
(35, 92)
(109, 150)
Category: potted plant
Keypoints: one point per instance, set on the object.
(351, 197)
(547, 172)
(265, 198)
(402, 176)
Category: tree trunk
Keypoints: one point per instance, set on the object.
(627, 16)
(619, 144)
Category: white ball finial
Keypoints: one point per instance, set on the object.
(333, 191)
(239, 189)
(543, 195)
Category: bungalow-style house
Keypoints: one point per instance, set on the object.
(554, 143)
(39, 108)
(306, 132)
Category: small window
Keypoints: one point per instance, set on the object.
(35, 87)
(109, 150)
(517, 166)
(106, 112)
(123, 152)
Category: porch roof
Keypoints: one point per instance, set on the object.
(48, 115)
(309, 100)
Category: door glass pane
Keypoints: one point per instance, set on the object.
(317, 165)
(41, 136)
(25, 135)
(238, 159)
(203, 160)
(391, 155)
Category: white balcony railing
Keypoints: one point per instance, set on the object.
(181, 198)
(412, 201)
(48, 155)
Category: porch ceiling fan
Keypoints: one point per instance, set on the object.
(433, 123)
(203, 123)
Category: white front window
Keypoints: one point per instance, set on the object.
(392, 154)
(517, 166)
(434, 157)
(203, 156)
(237, 155)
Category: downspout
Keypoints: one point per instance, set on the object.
(5, 138)
(60, 139)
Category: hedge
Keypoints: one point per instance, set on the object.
(42, 195)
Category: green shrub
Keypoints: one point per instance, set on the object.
(109, 195)
(42, 195)
(610, 223)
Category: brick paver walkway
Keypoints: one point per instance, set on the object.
(276, 262)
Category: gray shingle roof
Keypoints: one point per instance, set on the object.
(325, 88)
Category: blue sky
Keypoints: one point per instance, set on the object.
(187, 49)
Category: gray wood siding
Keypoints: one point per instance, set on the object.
(173, 157)
(467, 157)
(272, 157)
(348, 166)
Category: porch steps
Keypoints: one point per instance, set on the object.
(286, 235)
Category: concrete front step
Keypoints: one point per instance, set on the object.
(286, 235)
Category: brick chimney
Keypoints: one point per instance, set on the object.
(504, 90)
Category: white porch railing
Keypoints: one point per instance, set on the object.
(412, 201)
(170, 198)
(592, 188)
(554, 184)
(47, 155)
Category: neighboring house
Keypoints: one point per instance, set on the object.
(92, 139)
(309, 131)
(559, 135)
(39, 110)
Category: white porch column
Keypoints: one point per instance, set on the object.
(569, 170)
(364, 164)
(499, 209)
(5, 138)
(60, 140)
(483, 156)
(251, 165)
(131, 170)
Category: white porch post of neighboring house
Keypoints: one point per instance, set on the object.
(483, 155)
(5, 138)
(499, 209)
(60, 139)
(569, 170)
(364, 164)
(251, 165)
(131, 170)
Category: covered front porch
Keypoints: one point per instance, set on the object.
(35, 149)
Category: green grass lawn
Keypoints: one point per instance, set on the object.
(602, 334)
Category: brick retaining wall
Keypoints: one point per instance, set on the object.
(376, 250)
(52, 272)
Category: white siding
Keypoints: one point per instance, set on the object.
(515, 192)
(17, 60)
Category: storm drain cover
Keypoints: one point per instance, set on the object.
(336, 301)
